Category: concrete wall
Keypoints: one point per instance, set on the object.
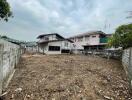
(1, 69)
(9, 58)
(127, 63)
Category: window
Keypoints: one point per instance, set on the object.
(87, 38)
(65, 51)
(46, 38)
(66, 44)
(74, 45)
(94, 36)
(54, 48)
(80, 39)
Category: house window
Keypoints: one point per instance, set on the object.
(54, 48)
(46, 38)
(87, 38)
(74, 45)
(94, 36)
(66, 44)
(80, 39)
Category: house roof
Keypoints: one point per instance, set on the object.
(43, 35)
(55, 41)
(88, 33)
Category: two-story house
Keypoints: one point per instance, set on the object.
(94, 40)
(54, 44)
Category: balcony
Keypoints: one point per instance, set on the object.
(104, 40)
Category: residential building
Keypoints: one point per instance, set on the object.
(94, 40)
(54, 44)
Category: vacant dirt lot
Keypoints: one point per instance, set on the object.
(68, 77)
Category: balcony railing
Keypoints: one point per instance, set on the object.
(104, 40)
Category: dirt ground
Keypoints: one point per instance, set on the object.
(68, 77)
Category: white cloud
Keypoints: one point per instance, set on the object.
(68, 17)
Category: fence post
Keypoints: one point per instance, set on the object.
(130, 66)
(1, 68)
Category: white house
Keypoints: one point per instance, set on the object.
(94, 40)
(54, 44)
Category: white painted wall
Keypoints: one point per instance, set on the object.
(94, 40)
(56, 43)
(86, 41)
(51, 37)
(68, 46)
(43, 48)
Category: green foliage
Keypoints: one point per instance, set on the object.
(122, 37)
(5, 12)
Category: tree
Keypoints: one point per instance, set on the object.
(122, 37)
(5, 11)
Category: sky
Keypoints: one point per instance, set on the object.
(66, 17)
